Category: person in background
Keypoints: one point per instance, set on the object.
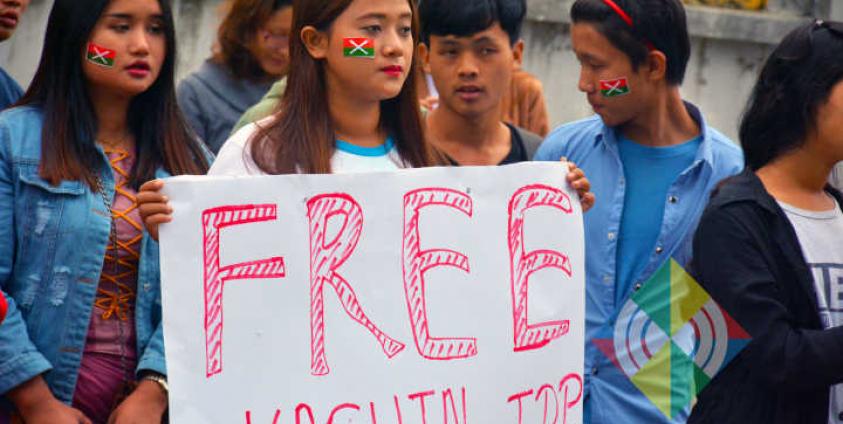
(471, 49)
(651, 160)
(524, 105)
(83, 340)
(252, 53)
(265, 107)
(10, 14)
(769, 248)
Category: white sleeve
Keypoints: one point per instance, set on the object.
(235, 156)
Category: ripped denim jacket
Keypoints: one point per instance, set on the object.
(52, 245)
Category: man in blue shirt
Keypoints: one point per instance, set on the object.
(10, 13)
(652, 162)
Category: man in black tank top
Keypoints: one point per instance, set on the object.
(471, 49)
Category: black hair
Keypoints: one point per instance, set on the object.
(660, 24)
(59, 89)
(462, 18)
(795, 81)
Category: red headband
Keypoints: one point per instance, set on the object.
(620, 12)
(626, 18)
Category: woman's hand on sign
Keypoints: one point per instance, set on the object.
(578, 181)
(154, 207)
(146, 405)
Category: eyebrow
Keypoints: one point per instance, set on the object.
(586, 56)
(382, 16)
(449, 42)
(130, 16)
(483, 39)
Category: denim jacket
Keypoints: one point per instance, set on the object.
(52, 246)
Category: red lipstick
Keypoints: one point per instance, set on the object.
(139, 69)
(393, 71)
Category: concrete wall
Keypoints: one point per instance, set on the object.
(728, 50)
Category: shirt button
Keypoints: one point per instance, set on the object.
(594, 371)
(637, 286)
(673, 199)
(659, 250)
(611, 236)
(607, 279)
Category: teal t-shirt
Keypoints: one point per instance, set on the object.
(649, 173)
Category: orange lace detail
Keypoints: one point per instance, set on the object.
(121, 256)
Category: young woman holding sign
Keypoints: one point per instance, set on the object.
(769, 248)
(83, 342)
(349, 105)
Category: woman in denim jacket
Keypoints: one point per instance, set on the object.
(83, 339)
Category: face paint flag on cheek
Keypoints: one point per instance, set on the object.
(359, 47)
(101, 56)
(614, 88)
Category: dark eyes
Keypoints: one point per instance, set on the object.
(377, 29)
(156, 28)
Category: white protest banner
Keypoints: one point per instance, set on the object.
(446, 295)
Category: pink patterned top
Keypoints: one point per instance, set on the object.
(107, 372)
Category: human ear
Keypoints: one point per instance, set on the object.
(518, 54)
(656, 65)
(315, 41)
(424, 57)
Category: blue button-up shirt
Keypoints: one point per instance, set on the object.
(609, 395)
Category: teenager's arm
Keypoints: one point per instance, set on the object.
(729, 263)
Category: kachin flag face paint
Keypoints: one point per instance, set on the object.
(359, 47)
(614, 88)
(101, 56)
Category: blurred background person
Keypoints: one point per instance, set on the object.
(472, 49)
(251, 54)
(10, 14)
(524, 105)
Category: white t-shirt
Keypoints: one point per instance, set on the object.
(235, 157)
(821, 237)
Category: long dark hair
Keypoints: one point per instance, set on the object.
(795, 81)
(301, 136)
(237, 33)
(68, 148)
